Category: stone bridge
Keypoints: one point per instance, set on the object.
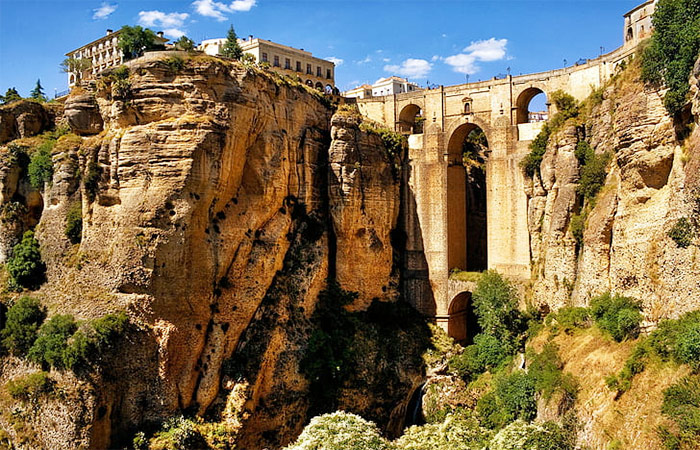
(457, 218)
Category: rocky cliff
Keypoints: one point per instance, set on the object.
(651, 182)
(214, 213)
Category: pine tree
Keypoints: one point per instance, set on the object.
(10, 96)
(184, 43)
(231, 48)
(38, 92)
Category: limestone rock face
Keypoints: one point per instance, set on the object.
(21, 119)
(626, 247)
(364, 207)
(82, 114)
(208, 217)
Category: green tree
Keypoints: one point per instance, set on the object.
(231, 48)
(52, 342)
(673, 49)
(23, 320)
(184, 43)
(133, 41)
(38, 92)
(25, 265)
(74, 222)
(41, 165)
(496, 308)
(76, 65)
(10, 96)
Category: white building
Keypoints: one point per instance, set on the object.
(314, 72)
(638, 24)
(384, 86)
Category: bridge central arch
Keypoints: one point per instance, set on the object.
(467, 152)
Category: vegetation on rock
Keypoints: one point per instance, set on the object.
(617, 315)
(21, 325)
(231, 49)
(74, 222)
(133, 41)
(41, 165)
(25, 266)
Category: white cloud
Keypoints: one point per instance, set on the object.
(486, 50)
(161, 19)
(386, 59)
(462, 63)
(104, 11)
(242, 5)
(211, 8)
(444, 35)
(412, 68)
(364, 61)
(435, 58)
(334, 60)
(490, 50)
(173, 33)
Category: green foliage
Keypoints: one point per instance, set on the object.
(25, 265)
(133, 41)
(184, 43)
(455, 432)
(545, 368)
(521, 435)
(617, 315)
(394, 142)
(488, 352)
(31, 387)
(577, 226)
(51, 344)
(584, 152)
(532, 161)
(41, 165)
(21, 325)
(91, 181)
(179, 433)
(93, 340)
(442, 347)
(328, 358)
(340, 431)
(673, 49)
(76, 65)
(38, 92)
(513, 398)
(10, 96)
(682, 405)
(74, 222)
(593, 174)
(496, 306)
(682, 233)
(174, 64)
(571, 317)
(231, 49)
(461, 275)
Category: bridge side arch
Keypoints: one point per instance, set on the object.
(462, 325)
(410, 119)
(523, 99)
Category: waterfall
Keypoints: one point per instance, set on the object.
(414, 410)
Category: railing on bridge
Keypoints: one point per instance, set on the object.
(61, 93)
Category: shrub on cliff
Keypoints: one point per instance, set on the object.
(488, 352)
(50, 346)
(25, 265)
(593, 173)
(31, 387)
(496, 307)
(682, 233)
(41, 165)
(617, 315)
(682, 405)
(74, 222)
(673, 49)
(21, 325)
(340, 431)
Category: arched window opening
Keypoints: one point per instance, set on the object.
(411, 120)
(630, 34)
(329, 89)
(462, 325)
(532, 106)
(467, 108)
(466, 199)
(319, 86)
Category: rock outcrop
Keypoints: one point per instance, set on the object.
(626, 247)
(21, 119)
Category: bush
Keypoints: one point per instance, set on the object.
(93, 340)
(74, 222)
(593, 174)
(52, 342)
(31, 387)
(673, 49)
(25, 265)
(512, 398)
(456, 432)
(179, 433)
(682, 405)
(619, 316)
(532, 161)
(545, 369)
(571, 317)
(577, 227)
(92, 180)
(340, 431)
(520, 435)
(41, 165)
(486, 353)
(22, 324)
(682, 233)
(496, 307)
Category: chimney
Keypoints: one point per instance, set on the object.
(109, 31)
(160, 34)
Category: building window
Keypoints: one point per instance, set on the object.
(298, 66)
(328, 74)
(467, 108)
(318, 71)
(308, 69)
(287, 64)
(277, 61)
(264, 57)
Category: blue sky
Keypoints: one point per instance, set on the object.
(436, 41)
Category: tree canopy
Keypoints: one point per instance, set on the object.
(38, 92)
(10, 96)
(184, 43)
(231, 48)
(133, 41)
